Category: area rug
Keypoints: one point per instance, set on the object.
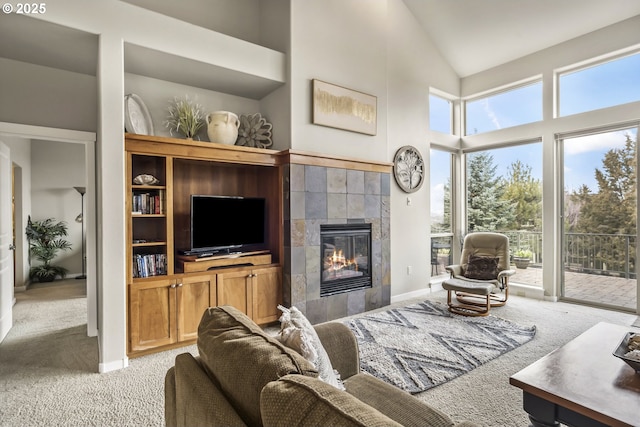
(419, 346)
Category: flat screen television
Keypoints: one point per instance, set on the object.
(221, 223)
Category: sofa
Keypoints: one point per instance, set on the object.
(246, 377)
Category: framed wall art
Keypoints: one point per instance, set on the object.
(338, 107)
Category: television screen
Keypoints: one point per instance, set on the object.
(219, 222)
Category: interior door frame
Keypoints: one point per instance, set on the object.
(89, 140)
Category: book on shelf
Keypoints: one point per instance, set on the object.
(150, 203)
(149, 265)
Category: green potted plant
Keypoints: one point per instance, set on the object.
(185, 117)
(45, 241)
(522, 258)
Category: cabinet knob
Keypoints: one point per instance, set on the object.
(173, 286)
(179, 285)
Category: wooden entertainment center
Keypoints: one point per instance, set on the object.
(167, 293)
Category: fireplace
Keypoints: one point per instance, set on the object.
(345, 258)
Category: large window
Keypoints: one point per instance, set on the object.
(604, 85)
(440, 114)
(504, 109)
(441, 210)
(504, 194)
(600, 231)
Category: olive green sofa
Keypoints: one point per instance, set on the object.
(244, 377)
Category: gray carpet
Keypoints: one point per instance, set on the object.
(48, 366)
(419, 346)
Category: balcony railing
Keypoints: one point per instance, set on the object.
(591, 253)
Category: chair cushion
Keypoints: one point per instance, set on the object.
(299, 401)
(481, 268)
(243, 358)
(472, 286)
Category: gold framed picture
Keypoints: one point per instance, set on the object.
(341, 108)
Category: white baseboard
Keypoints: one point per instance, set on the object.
(433, 287)
(113, 366)
(528, 291)
(6, 323)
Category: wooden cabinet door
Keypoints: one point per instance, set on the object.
(152, 314)
(195, 294)
(267, 294)
(234, 289)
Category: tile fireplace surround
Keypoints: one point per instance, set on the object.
(348, 193)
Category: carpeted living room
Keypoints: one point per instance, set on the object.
(335, 159)
(47, 364)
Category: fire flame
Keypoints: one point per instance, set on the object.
(337, 261)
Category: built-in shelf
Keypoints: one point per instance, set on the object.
(254, 81)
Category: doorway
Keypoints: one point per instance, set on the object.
(22, 135)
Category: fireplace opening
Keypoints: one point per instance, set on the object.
(345, 258)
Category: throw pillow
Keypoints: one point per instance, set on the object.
(297, 333)
(481, 268)
(242, 358)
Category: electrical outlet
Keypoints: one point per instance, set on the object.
(409, 269)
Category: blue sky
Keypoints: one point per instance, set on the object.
(612, 83)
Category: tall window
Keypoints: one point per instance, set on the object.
(504, 194)
(604, 85)
(440, 114)
(600, 230)
(505, 109)
(441, 210)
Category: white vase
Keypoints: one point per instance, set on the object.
(222, 127)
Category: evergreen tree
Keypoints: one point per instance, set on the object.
(487, 207)
(526, 192)
(612, 210)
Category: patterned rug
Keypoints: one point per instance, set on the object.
(420, 346)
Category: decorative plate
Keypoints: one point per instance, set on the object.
(254, 131)
(145, 179)
(408, 169)
(136, 116)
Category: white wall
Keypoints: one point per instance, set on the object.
(44, 96)
(341, 42)
(56, 168)
(237, 18)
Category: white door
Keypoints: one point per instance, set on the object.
(6, 244)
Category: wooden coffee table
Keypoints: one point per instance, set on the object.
(582, 384)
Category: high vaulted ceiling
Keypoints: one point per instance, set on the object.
(473, 35)
(476, 35)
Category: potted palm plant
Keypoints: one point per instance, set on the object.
(522, 258)
(45, 241)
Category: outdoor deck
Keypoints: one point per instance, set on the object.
(594, 288)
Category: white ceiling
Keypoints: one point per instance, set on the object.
(475, 35)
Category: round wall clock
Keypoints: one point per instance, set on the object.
(408, 168)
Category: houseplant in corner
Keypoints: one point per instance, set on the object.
(522, 258)
(45, 241)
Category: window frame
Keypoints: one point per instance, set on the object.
(585, 65)
(538, 78)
